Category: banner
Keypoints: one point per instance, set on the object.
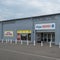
(8, 33)
(24, 31)
(45, 26)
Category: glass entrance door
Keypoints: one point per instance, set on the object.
(49, 36)
(46, 37)
(26, 37)
(53, 37)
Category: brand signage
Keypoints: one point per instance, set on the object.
(24, 31)
(45, 26)
(8, 33)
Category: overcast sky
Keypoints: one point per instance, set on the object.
(11, 9)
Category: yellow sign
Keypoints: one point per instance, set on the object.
(24, 31)
(8, 33)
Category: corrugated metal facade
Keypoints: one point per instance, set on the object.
(29, 24)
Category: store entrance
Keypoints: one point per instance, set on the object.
(24, 36)
(45, 37)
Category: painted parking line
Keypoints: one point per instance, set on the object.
(24, 53)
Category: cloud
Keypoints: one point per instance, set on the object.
(1, 18)
(24, 8)
(46, 7)
(10, 15)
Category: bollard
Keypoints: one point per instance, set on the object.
(2, 40)
(41, 43)
(21, 42)
(34, 43)
(50, 44)
(59, 44)
(27, 42)
(15, 41)
(6, 41)
(11, 41)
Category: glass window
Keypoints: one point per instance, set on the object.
(29, 37)
(23, 36)
(53, 37)
(26, 37)
(49, 37)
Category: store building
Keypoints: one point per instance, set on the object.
(44, 28)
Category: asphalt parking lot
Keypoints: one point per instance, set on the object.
(23, 52)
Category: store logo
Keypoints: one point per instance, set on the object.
(38, 27)
(52, 25)
(8, 33)
(45, 26)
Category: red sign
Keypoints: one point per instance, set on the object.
(46, 26)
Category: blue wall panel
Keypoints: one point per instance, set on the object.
(0, 30)
(29, 24)
(16, 25)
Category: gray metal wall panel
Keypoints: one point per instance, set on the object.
(17, 25)
(57, 31)
(30, 25)
(7, 26)
(51, 19)
(25, 25)
(0, 30)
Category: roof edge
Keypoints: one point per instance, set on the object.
(33, 17)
